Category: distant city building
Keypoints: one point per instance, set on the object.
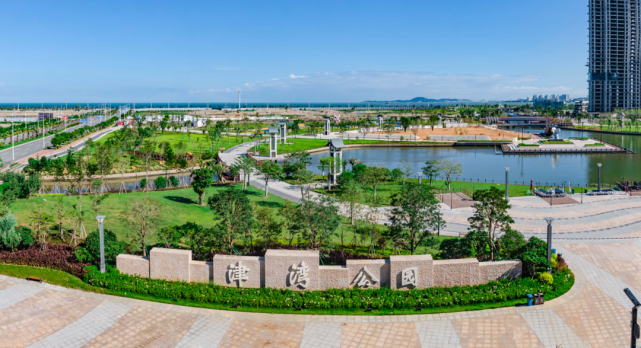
(44, 115)
(581, 107)
(550, 101)
(613, 74)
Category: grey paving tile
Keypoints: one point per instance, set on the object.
(206, 331)
(609, 284)
(551, 329)
(437, 334)
(321, 335)
(86, 328)
(17, 293)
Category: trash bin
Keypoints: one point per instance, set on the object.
(541, 298)
(530, 299)
(572, 191)
(553, 251)
(536, 300)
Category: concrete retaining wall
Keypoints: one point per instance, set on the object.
(300, 270)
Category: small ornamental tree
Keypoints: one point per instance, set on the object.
(431, 169)
(201, 180)
(414, 217)
(9, 236)
(270, 171)
(318, 220)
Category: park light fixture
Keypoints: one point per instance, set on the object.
(507, 195)
(549, 222)
(599, 164)
(101, 229)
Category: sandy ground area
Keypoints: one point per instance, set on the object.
(493, 134)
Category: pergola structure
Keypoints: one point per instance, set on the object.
(328, 125)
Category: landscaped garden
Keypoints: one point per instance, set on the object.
(59, 232)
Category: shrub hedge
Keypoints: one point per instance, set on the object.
(385, 298)
(57, 256)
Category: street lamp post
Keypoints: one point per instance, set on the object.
(101, 219)
(507, 170)
(420, 174)
(636, 330)
(599, 164)
(549, 221)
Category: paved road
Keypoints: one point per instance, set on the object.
(32, 147)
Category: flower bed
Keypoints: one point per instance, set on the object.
(553, 142)
(596, 144)
(529, 145)
(384, 298)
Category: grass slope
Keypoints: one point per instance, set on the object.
(180, 206)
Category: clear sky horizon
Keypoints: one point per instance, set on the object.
(290, 51)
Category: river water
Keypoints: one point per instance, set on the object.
(482, 164)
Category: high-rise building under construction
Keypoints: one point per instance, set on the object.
(613, 74)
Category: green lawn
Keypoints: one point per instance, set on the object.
(180, 206)
(60, 278)
(384, 192)
(298, 144)
(553, 142)
(196, 142)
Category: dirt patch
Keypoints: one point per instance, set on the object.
(492, 133)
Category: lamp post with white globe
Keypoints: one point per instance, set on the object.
(101, 219)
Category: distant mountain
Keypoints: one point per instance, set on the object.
(418, 100)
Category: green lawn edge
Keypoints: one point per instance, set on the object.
(55, 277)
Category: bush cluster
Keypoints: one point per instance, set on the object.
(89, 251)
(384, 298)
(57, 256)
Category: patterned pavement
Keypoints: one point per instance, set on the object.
(600, 239)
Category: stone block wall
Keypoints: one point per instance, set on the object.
(496, 270)
(250, 270)
(170, 264)
(292, 269)
(133, 265)
(370, 274)
(456, 272)
(333, 277)
(201, 271)
(300, 270)
(411, 271)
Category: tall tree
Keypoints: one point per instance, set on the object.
(490, 216)
(415, 216)
(201, 180)
(234, 213)
(318, 220)
(142, 217)
(270, 171)
(431, 169)
(449, 168)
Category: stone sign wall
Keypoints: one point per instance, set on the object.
(300, 270)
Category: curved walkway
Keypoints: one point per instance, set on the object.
(595, 313)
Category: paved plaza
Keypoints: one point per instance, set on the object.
(600, 239)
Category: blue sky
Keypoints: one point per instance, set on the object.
(290, 51)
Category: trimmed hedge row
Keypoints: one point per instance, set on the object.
(385, 298)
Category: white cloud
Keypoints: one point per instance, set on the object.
(389, 85)
(532, 88)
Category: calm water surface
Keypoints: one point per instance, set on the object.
(481, 163)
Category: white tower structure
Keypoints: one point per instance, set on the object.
(336, 147)
(283, 131)
(273, 150)
(328, 125)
